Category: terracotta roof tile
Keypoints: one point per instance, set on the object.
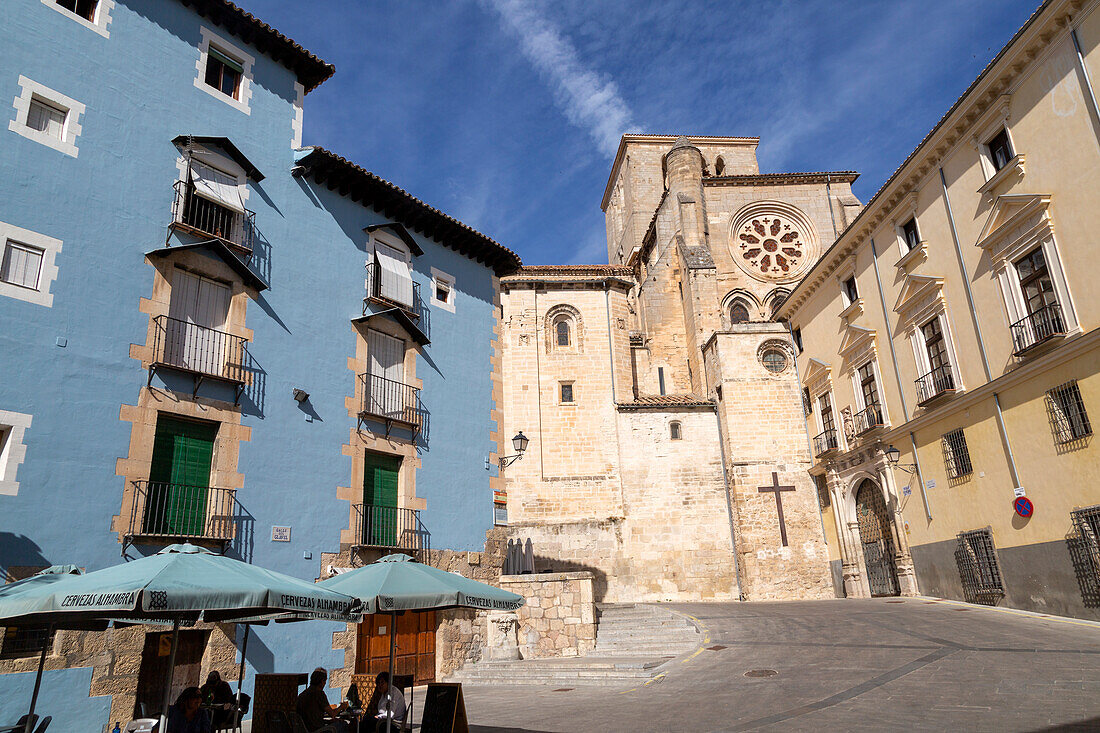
(578, 270)
(666, 400)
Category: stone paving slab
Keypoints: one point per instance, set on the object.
(845, 665)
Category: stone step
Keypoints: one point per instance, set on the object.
(632, 632)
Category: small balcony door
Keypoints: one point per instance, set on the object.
(396, 279)
(198, 312)
(179, 477)
(380, 500)
(386, 383)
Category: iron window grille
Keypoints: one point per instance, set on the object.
(387, 527)
(956, 456)
(868, 419)
(1038, 327)
(25, 641)
(979, 570)
(1086, 522)
(179, 511)
(1067, 413)
(201, 216)
(391, 401)
(937, 382)
(825, 442)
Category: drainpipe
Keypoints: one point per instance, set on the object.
(889, 339)
(920, 477)
(729, 503)
(809, 441)
(1090, 97)
(978, 330)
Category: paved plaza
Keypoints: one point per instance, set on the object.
(845, 665)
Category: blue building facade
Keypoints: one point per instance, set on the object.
(212, 334)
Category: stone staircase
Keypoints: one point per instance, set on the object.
(633, 642)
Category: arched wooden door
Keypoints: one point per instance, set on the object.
(877, 539)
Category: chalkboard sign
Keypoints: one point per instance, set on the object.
(444, 709)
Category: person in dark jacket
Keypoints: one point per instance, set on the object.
(187, 715)
(219, 697)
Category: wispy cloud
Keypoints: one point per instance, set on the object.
(589, 99)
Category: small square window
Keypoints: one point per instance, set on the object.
(442, 291)
(566, 393)
(1000, 150)
(910, 235)
(83, 8)
(22, 265)
(850, 291)
(45, 117)
(223, 73)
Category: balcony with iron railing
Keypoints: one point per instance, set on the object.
(392, 289)
(1043, 326)
(825, 443)
(390, 401)
(199, 216)
(937, 383)
(389, 528)
(163, 511)
(868, 420)
(197, 350)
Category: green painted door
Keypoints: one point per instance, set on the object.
(380, 500)
(179, 477)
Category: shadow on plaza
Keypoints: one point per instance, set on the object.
(1092, 724)
(498, 729)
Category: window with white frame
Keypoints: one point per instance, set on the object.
(443, 290)
(47, 116)
(826, 440)
(27, 264)
(870, 413)
(13, 427)
(910, 235)
(224, 70)
(92, 14)
(1019, 238)
(849, 290)
(999, 149)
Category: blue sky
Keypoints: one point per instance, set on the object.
(506, 113)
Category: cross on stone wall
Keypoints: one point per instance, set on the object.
(776, 489)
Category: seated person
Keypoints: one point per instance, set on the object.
(219, 695)
(187, 715)
(314, 708)
(386, 702)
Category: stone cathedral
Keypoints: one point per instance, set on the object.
(668, 449)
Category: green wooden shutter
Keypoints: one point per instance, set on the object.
(380, 499)
(179, 476)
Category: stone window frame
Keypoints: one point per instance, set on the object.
(746, 298)
(562, 384)
(99, 24)
(47, 272)
(782, 346)
(438, 276)
(222, 45)
(557, 313)
(13, 449)
(921, 300)
(74, 110)
(810, 239)
(675, 430)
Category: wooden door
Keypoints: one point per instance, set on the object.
(415, 653)
(179, 477)
(154, 667)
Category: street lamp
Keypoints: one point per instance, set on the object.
(519, 444)
(893, 455)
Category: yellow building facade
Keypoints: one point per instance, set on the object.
(950, 350)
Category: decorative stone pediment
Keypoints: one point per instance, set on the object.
(919, 295)
(1015, 224)
(858, 345)
(818, 376)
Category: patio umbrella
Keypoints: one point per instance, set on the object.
(181, 583)
(399, 583)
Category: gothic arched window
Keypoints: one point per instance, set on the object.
(719, 166)
(561, 330)
(739, 312)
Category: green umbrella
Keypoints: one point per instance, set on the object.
(181, 583)
(399, 583)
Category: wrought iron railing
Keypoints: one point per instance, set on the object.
(192, 348)
(207, 217)
(390, 400)
(390, 528)
(868, 419)
(397, 289)
(164, 509)
(1038, 327)
(825, 441)
(937, 382)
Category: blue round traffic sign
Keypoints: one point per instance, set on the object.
(1023, 506)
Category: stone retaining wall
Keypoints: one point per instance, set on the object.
(559, 619)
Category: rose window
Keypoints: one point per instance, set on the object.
(770, 245)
